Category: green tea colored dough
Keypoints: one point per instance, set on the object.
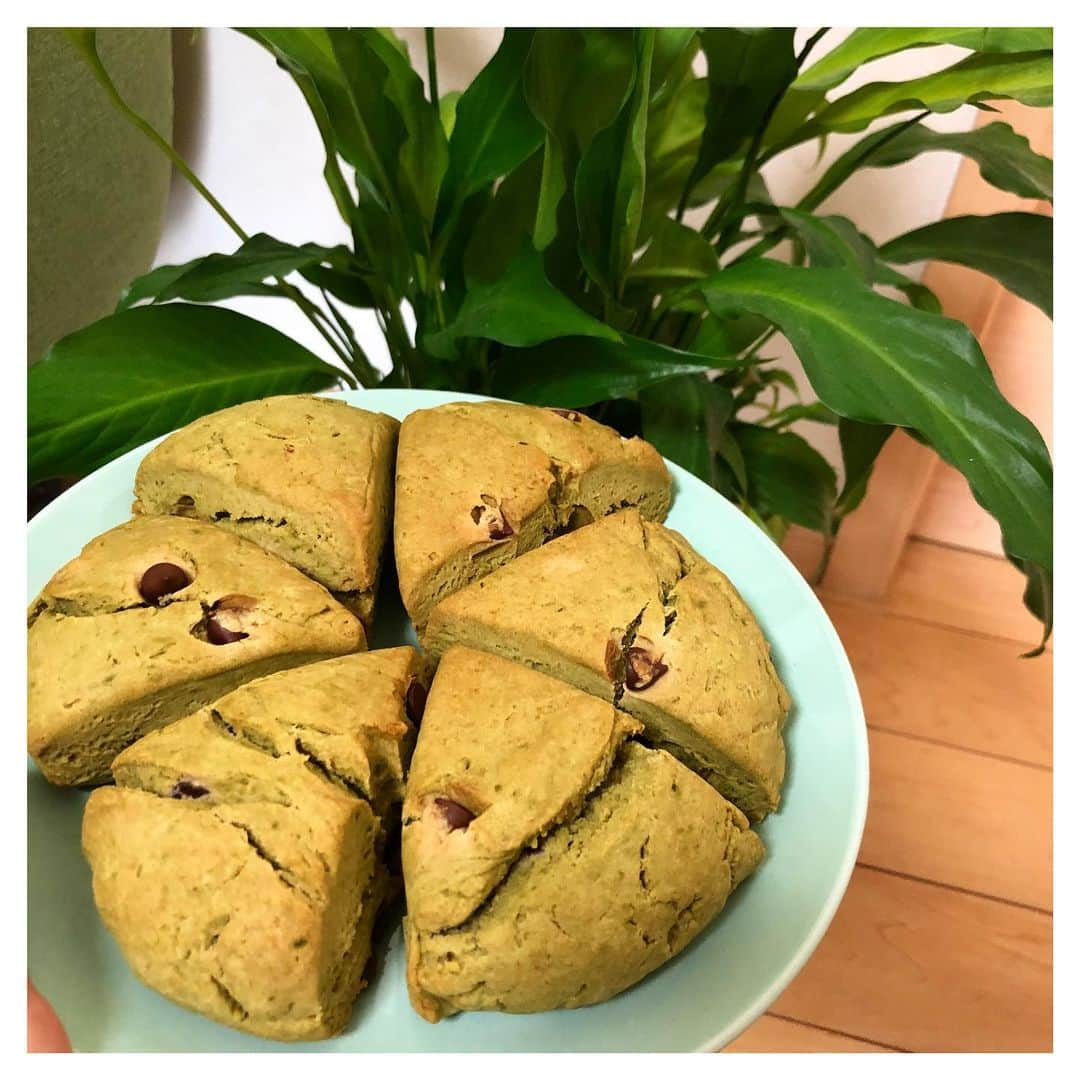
(239, 869)
(584, 606)
(519, 750)
(105, 667)
(309, 479)
(480, 483)
(608, 897)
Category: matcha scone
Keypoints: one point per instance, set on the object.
(239, 860)
(478, 483)
(510, 754)
(307, 478)
(153, 620)
(622, 882)
(627, 610)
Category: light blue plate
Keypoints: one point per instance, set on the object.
(701, 1000)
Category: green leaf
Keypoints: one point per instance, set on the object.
(505, 227)
(727, 335)
(576, 81)
(683, 418)
(494, 130)
(860, 445)
(376, 63)
(786, 476)
(918, 295)
(872, 359)
(1005, 159)
(869, 43)
(1026, 77)
(676, 254)
(748, 68)
(814, 411)
(673, 54)
(448, 104)
(1014, 248)
(219, 276)
(131, 376)
(833, 241)
(610, 184)
(520, 308)
(1038, 599)
(574, 371)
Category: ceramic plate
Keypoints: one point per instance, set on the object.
(701, 1000)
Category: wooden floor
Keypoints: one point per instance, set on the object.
(943, 941)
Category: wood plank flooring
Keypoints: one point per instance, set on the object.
(944, 939)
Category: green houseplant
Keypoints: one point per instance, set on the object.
(536, 224)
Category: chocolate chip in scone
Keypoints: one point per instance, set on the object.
(500, 528)
(568, 414)
(217, 634)
(612, 656)
(225, 620)
(188, 789)
(456, 815)
(643, 668)
(489, 516)
(415, 700)
(162, 579)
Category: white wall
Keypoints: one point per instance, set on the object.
(251, 139)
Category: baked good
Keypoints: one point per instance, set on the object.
(481, 482)
(515, 750)
(627, 610)
(154, 619)
(544, 870)
(307, 478)
(239, 860)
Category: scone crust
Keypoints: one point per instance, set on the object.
(308, 478)
(105, 666)
(481, 482)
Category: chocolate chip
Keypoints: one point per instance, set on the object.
(611, 659)
(642, 668)
(457, 817)
(415, 700)
(568, 414)
(500, 529)
(490, 516)
(162, 579)
(188, 789)
(217, 634)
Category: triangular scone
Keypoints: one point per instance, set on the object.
(481, 482)
(513, 752)
(240, 871)
(153, 620)
(308, 478)
(608, 897)
(627, 610)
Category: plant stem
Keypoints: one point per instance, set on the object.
(432, 70)
(85, 43)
